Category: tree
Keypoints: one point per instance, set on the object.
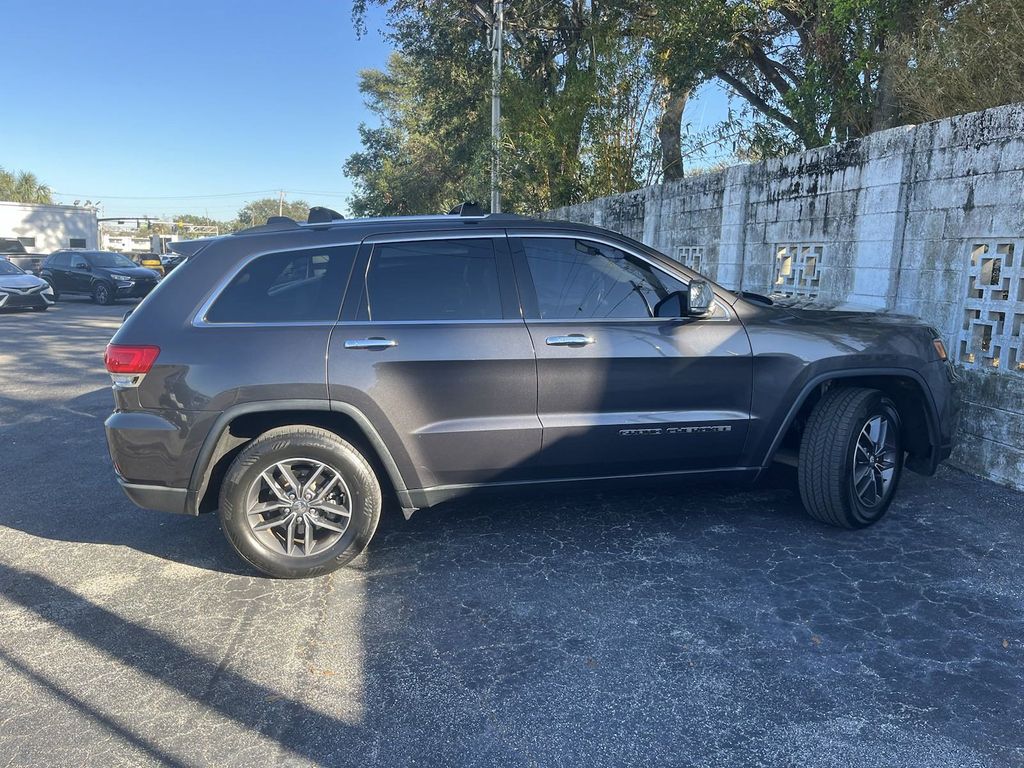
(962, 61)
(23, 187)
(579, 109)
(258, 211)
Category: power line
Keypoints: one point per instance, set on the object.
(166, 197)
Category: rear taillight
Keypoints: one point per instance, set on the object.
(128, 363)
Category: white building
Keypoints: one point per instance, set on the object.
(48, 228)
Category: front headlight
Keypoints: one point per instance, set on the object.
(122, 278)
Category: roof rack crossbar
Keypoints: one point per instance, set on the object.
(320, 215)
(467, 208)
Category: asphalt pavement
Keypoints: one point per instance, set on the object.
(698, 625)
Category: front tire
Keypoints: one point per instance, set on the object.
(299, 502)
(102, 294)
(851, 457)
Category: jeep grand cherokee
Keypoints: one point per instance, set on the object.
(291, 375)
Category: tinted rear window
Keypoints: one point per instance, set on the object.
(433, 280)
(289, 287)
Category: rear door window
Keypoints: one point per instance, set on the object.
(433, 280)
(289, 287)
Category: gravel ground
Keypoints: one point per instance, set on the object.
(701, 626)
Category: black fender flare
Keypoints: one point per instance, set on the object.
(931, 411)
(204, 460)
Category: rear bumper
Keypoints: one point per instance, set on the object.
(156, 497)
(154, 454)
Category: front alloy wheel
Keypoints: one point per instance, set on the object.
(874, 460)
(102, 294)
(851, 456)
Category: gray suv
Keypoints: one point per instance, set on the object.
(293, 375)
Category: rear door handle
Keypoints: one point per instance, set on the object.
(572, 340)
(370, 343)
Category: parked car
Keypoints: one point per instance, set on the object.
(149, 261)
(291, 375)
(170, 261)
(104, 275)
(20, 289)
(13, 250)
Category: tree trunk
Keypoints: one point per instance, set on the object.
(670, 129)
(886, 113)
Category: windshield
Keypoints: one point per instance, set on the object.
(6, 268)
(106, 259)
(9, 245)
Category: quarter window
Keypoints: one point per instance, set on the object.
(433, 280)
(288, 287)
(584, 280)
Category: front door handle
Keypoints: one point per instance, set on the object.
(370, 343)
(572, 340)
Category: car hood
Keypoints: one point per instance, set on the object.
(842, 317)
(21, 282)
(138, 273)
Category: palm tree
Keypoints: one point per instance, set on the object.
(23, 187)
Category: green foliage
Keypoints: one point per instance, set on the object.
(23, 187)
(579, 106)
(807, 72)
(961, 62)
(594, 91)
(257, 212)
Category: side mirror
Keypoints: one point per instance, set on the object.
(694, 302)
(700, 298)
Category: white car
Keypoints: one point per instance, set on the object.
(20, 289)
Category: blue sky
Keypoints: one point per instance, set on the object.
(160, 108)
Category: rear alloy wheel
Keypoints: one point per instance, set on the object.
(299, 501)
(102, 294)
(851, 457)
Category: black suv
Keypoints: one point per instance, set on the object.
(291, 374)
(104, 275)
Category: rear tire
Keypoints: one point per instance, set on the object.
(292, 487)
(102, 294)
(851, 457)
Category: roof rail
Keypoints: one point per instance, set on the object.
(467, 209)
(320, 215)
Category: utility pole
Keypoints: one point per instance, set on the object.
(497, 61)
(494, 21)
(280, 204)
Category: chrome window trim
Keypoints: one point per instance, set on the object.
(199, 318)
(683, 278)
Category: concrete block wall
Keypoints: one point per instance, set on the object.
(924, 220)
